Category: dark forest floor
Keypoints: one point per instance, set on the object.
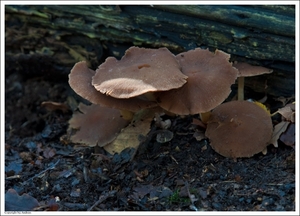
(181, 175)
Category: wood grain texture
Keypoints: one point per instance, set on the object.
(260, 35)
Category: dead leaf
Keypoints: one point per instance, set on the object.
(49, 152)
(277, 131)
(13, 162)
(204, 148)
(262, 106)
(288, 137)
(129, 136)
(52, 204)
(284, 100)
(288, 112)
(14, 167)
(39, 148)
(198, 122)
(26, 156)
(160, 123)
(199, 135)
(53, 106)
(143, 190)
(14, 202)
(75, 193)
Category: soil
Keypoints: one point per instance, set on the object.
(181, 175)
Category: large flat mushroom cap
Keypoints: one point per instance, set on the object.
(97, 125)
(80, 80)
(139, 71)
(210, 76)
(239, 129)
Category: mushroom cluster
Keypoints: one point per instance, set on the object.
(210, 76)
(192, 82)
(126, 85)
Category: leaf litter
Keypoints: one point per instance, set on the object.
(52, 169)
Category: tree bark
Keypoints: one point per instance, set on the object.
(56, 37)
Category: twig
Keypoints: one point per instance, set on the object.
(74, 206)
(102, 198)
(13, 177)
(174, 159)
(192, 197)
(51, 167)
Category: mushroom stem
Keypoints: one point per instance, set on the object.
(241, 88)
(127, 115)
(150, 96)
(205, 116)
(265, 151)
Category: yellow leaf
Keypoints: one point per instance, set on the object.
(262, 106)
(129, 136)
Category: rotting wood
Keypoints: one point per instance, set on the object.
(260, 35)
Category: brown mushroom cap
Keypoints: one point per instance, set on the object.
(139, 71)
(80, 80)
(210, 76)
(247, 70)
(97, 125)
(239, 129)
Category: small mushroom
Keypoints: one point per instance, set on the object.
(239, 129)
(96, 125)
(210, 76)
(80, 80)
(139, 71)
(247, 70)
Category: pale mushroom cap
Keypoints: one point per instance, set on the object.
(239, 129)
(97, 125)
(139, 71)
(210, 76)
(80, 80)
(247, 70)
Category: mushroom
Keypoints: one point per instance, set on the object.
(96, 125)
(80, 80)
(239, 129)
(247, 70)
(210, 76)
(139, 71)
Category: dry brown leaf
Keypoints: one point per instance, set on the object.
(53, 106)
(128, 138)
(198, 122)
(284, 100)
(277, 131)
(160, 123)
(199, 135)
(288, 137)
(288, 112)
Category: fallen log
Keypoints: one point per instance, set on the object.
(55, 37)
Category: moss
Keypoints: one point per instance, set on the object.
(175, 198)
